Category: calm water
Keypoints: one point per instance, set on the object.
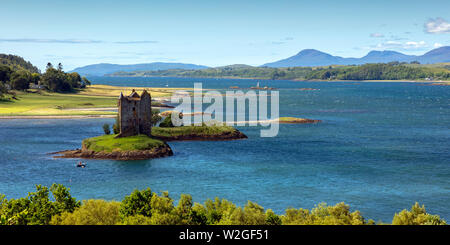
(380, 148)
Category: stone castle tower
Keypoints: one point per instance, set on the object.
(135, 114)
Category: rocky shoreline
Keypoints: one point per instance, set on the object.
(161, 151)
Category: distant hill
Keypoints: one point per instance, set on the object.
(103, 69)
(17, 62)
(312, 57)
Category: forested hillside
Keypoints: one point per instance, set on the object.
(16, 62)
(380, 71)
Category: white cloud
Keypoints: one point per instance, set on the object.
(68, 41)
(397, 45)
(377, 35)
(36, 40)
(438, 45)
(438, 25)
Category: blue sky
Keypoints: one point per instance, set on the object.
(215, 33)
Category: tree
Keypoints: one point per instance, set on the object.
(5, 73)
(86, 82)
(137, 203)
(21, 79)
(35, 78)
(155, 117)
(37, 208)
(56, 80)
(49, 66)
(167, 123)
(74, 79)
(417, 216)
(92, 212)
(106, 128)
(63, 199)
(116, 126)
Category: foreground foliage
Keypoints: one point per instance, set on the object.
(148, 208)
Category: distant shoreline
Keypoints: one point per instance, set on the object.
(295, 80)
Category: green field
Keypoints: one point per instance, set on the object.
(108, 143)
(50, 104)
(45, 103)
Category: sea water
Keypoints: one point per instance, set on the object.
(379, 148)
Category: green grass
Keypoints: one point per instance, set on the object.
(66, 104)
(191, 130)
(108, 143)
(34, 104)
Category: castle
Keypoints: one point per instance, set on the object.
(135, 114)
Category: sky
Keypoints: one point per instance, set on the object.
(215, 33)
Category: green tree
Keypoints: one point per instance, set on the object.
(86, 82)
(20, 80)
(5, 73)
(63, 200)
(92, 212)
(155, 117)
(417, 216)
(106, 129)
(116, 126)
(137, 203)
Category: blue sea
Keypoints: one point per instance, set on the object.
(379, 148)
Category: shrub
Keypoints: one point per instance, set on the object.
(417, 216)
(106, 128)
(92, 212)
(166, 123)
(323, 215)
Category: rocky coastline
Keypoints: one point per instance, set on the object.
(156, 152)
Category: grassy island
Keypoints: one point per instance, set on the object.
(297, 120)
(197, 133)
(108, 143)
(138, 147)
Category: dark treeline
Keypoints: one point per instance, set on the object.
(380, 71)
(148, 208)
(18, 74)
(389, 71)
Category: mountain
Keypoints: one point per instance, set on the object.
(312, 57)
(103, 68)
(385, 57)
(439, 55)
(307, 57)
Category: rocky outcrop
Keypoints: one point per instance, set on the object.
(160, 151)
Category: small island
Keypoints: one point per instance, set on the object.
(295, 120)
(209, 133)
(137, 147)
